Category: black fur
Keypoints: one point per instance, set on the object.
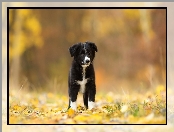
(79, 51)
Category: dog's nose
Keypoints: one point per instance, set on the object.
(87, 61)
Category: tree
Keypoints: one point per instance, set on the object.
(24, 32)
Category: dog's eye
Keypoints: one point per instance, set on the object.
(89, 53)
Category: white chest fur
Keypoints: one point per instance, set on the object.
(83, 82)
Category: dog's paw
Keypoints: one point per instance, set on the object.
(73, 105)
(91, 105)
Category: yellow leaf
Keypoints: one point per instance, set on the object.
(71, 112)
(159, 89)
(81, 118)
(95, 118)
(18, 108)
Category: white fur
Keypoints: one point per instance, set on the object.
(83, 82)
(84, 62)
(86, 58)
(82, 85)
(91, 105)
(73, 105)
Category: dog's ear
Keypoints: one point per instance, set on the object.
(73, 49)
(93, 46)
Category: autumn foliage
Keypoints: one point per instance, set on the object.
(131, 46)
(130, 65)
(51, 108)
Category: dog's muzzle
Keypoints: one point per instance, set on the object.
(86, 61)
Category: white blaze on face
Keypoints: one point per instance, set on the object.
(84, 46)
(86, 59)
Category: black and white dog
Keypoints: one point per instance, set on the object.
(82, 75)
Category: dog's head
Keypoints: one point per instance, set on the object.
(83, 53)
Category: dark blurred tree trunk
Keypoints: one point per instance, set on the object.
(145, 23)
(15, 66)
(94, 24)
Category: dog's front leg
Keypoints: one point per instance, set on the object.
(85, 99)
(73, 92)
(91, 100)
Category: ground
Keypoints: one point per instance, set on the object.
(50, 108)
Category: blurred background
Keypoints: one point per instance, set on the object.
(131, 47)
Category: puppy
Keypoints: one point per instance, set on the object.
(82, 76)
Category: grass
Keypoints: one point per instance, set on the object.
(51, 108)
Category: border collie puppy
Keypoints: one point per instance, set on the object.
(82, 76)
